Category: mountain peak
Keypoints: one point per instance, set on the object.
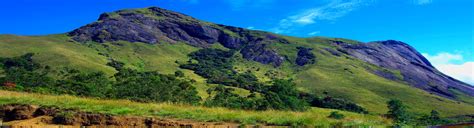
(151, 12)
(155, 25)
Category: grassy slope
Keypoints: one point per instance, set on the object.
(349, 78)
(327, 74)
(313, 117)
(54, 50)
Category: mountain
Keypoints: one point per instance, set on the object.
(157, 39)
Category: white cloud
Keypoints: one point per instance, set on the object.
(330, 11)
(314, 33)
(443, 58)
(422, 2)
(453, 65)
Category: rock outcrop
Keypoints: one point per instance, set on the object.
(154, 25)
(305, 56)
(415, 69)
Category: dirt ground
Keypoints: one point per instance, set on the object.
(31, 116)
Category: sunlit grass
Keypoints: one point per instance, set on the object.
(313, 117)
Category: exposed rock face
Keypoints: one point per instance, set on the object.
(305, 56)
(415, 69)
(154, 25)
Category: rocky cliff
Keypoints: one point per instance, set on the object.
(415, 69)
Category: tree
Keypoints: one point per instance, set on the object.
(282, 94)
(432, 119)
(94, 84)
(398, 112)
(153, 87)
(336, 115)
(434, 115)
(179, 73)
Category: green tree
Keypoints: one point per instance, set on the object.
(336, 115)
(398, 112)
(94, 84)
(179, 73)
(26, 73)
(153, 87)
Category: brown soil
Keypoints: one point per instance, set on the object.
(16, 115)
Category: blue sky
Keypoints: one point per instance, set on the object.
(440, 29)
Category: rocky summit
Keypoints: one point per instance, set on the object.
(154, 24)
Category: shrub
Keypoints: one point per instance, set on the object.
(336, 103)
(179, 73)
(336, 115)
(116, 64)
(432, 119)
(397, 111)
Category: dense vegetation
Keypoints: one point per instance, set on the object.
(26, 75)
(398, 112)
(217, 66)
(151, 86)
(23, 74)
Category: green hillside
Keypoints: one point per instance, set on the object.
(339, 76)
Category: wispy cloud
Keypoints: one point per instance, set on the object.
(453, 65)
(422, 2)
(314, 33)
(329, 11)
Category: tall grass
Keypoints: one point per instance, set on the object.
(313, 117)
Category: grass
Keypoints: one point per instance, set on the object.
(54, 50)
(341, 76)
(313, 117)
(349, 79)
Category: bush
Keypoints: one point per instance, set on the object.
(179, 73)
(398, 112)
(336, 103)
(336, 115)
(282, 94)
(116, 64)
(224, 97)
(432, 119)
